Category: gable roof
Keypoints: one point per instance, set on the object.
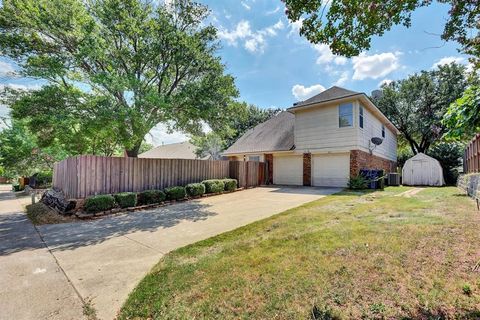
(181, 150)
(275, 134)
(332, 93)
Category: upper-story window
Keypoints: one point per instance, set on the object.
(360, 117)
(254, 158)
(345, 115)
(383, 131)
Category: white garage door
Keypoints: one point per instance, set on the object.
(330, 170)
(288, 170)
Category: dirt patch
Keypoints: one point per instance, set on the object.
(409, 193)
(40, 214)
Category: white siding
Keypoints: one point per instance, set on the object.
(372, 127)
(288, 170)
(330, 170)
(317, 128)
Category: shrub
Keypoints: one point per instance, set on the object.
(213, 185)
(195, 189)
(126, 199)
(44, 178)
(450, 157)
(150, 197)
(99, 203)
(230, 184)
(175, 193)
(357, 182)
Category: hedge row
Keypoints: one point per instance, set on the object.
(131, 199)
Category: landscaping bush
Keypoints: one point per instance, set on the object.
(450, 157)
(99, 203)
(150, 197)
(357, 182)
(44, 178)
(230, 184)
(175, 193)
(126, 199)
(213, 185)
(195, 189)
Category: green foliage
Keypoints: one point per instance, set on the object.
(403, 155)
(348, 26)
(20, 154)
(462, 118)
(99, 203)
(416, 105)
(450, 157)
(16, 187)
(230, 184)
(209, 145)
(115, 69)
(195, 189)
(357, 182)
(126, 199)
(466, 289)
(44, 178)
(150, 197)
(213, 185)
(175, 193)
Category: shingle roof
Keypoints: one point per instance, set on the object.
(327, 95)
(181, 150)
(275, 134)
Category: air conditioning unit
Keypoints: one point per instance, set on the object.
(393, 179)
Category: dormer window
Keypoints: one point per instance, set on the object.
(345, 115)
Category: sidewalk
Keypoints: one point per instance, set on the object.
(33, 285)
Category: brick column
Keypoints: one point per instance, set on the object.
(269, 161)
(307, 169)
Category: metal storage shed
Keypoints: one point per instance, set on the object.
(422, 170)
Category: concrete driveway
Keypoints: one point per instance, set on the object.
(105, 259)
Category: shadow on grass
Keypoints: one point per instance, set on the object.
(423, 314)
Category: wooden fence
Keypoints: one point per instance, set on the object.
(471, 157)
(82, 176)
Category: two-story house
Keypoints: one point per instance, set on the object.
(321, 141)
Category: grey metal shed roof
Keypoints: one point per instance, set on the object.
(332, 93)
(275, 134)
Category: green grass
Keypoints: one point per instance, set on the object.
(349, 255)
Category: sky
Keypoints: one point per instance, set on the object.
(274, 67)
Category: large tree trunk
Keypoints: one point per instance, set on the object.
(133, 152)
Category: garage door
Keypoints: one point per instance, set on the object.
(288, 170)
(330, 170)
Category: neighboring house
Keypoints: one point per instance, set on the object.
(181, 150)
(321, 141)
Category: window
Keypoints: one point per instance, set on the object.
(254, 158)
(383, 131)
(360, 117)
(345, 115)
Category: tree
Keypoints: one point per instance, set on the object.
(416, 105)
(247, 117)
(348, 26)
(20, 154)
(138, 62)
(462, 118)
(209, 145)
(450, 157)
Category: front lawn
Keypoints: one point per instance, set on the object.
(349, 255)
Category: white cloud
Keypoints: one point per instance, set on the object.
(344, 77)
(448, 60)
(326, 55)
(160, 135)
(254, 41)
(384, 81)
(375, 66)
(246, 6)
(295, 27)
(277, 9)
(6, 68)
(301, 92)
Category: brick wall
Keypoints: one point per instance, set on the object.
(307, 169)
(269, 161)
(364, 160)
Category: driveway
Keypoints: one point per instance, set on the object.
(105, 259)
(32, 286)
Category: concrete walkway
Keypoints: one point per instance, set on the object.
(32, 284)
